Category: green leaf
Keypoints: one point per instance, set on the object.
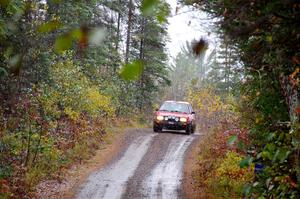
(49, 27)
(163, 12)
(270, 147)
(269, 39)
(62, 43)
(132, 71)
(281, 155)
(76, 34)
(160, 18)
(241, 145)
(247, 189)
(148, 6)
(266, 155)
(270, 136)
(246, 162)
(231, 140)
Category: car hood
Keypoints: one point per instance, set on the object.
(176, 114)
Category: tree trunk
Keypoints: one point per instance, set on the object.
(141, 56)
(130, 7)
(118, 29)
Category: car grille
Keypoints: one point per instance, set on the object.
(172, 118)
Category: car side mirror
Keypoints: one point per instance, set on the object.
(193, 112)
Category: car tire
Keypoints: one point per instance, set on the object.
(156, 129)
(188, 129)
(193, 129)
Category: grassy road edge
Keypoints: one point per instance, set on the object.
(113, 142)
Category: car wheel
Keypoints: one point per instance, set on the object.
(193, 129)
(156, 129)
(188, 129)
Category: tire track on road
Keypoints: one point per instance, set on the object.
(110, 182)
(151, 166)
(165, 179)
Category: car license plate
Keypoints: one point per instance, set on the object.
(171, 123)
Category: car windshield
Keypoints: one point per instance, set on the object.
(175, 107)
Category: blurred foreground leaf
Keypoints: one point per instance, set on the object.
(82, 35)
(62, 43)
(4, 2)
(49, 27)
(132, 71)
(200, 47)
(163, 12)
(97, 36)
(76, 34)
(148, 6)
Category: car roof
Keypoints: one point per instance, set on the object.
(183, 102)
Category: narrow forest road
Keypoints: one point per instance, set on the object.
(150, 166)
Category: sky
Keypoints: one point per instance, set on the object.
(187, 25)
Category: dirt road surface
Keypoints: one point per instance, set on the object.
(150, 166)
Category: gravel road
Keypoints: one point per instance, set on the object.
(150, 166)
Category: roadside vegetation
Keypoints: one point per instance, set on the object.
(219, 171)
(258, 67)
(69, 71)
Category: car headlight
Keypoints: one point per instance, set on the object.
(183, 119)
(159, 117)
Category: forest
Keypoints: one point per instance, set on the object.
(70, 69)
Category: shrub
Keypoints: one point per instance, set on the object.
(71, 93)
(53, 124)
(229, 179)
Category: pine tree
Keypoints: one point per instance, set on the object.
(224, 66)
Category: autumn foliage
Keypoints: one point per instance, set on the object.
(223, 146)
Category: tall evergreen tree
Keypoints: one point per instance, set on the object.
(225, 67)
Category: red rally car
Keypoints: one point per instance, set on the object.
(175, 115)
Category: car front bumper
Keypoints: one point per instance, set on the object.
(171, 125)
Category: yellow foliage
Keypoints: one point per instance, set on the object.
(71, 93)
(72, 114)
(206, 101)
(98, 103)
(210, 106)
(230, 169)
(229, 176)
(49, 101)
